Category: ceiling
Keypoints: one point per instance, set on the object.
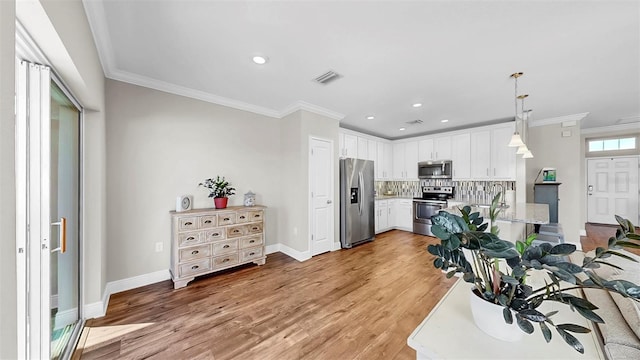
(454, 57)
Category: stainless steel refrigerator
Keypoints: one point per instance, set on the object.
(357, 218)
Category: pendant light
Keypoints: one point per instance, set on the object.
(526, 154)
(516, 140)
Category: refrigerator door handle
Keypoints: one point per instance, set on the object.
(361, 187)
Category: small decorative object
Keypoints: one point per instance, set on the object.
(548, 175)
(219, 190)
(184, 202)
(249, 199)
(498, 270)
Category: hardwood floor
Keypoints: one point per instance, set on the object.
(350, 304)
(598, 235)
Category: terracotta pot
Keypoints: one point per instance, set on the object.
(488, 318)
(220, 203)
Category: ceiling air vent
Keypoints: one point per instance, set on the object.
(327, 77)
(414, 122)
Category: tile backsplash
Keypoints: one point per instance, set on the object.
(480, 191)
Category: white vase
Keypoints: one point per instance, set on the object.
(488, 317)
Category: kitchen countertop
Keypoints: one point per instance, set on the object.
(522, 213)
(387, 197)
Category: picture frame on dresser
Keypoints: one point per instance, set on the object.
(205, 241)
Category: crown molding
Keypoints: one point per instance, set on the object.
(632, 127)
(100, 32)
(301, 105)
(558, 120)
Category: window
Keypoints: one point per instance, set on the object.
(612, 144)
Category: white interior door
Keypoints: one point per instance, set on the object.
(612, 189)
(322, 194)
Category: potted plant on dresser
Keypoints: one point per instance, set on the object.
(219, 190)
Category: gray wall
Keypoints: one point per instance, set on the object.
(550, 149)
(8, 309)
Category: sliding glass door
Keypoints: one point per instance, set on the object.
(65, 215)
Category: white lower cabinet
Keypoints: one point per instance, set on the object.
(393, 214)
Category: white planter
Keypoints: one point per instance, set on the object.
(488, 317)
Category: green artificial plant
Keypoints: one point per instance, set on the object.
(218, 187)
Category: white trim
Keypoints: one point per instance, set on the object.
(336, 246)
(583, 232)
(301, 105)
(558, 120)
(100, 33)
(64, 318)
(298, 255)
(137, 281)
(26, 48)
(612, 128)
(270, 249)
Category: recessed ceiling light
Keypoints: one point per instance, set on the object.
(260, 60)
(416, 105)
(402, 129)
(370, 117)
(444, 121)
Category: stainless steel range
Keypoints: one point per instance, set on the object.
(434, 198)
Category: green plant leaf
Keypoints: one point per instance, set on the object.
(569, 267)
(508, 317)
(545, 331)
(622, 255)
(628, 244)
(589, 315)
(563, 249)
(574, 328)
(440, 232)
(438, 262)
(524, 324)
(571, 340)
(533, 315)
(450, 274)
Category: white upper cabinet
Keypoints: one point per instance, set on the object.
(438, 148)
(383, 165)
(491, 158)
(372, 147)
(363, 148)
(348, 145)
(480, 154)
(503, 158)
(461, 156)
(405, 161)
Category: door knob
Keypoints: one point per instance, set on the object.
(329, 201)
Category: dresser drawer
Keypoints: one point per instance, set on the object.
(250, 241)
(243, 217)
(226, 219)
(255, 215)
(254, 228)
(195, 267)
(189, 238)
(250, 254)
(214, 234)
(225, 247)
(236, 231)
(194, 252)
(225, 260)
(208, 221)
(187, 223)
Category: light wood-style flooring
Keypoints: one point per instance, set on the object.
(350, 304)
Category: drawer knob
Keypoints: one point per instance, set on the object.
(251, 241)
(215, 234)
(242, 217)
(194, 252)
(194, 267)
(207, 222)
(225, 247)
(236, 231)
(225, 260)
(188, 223)
(226, 219)
(254, 228)
(256, 215)
(251, 253)
(190, 238)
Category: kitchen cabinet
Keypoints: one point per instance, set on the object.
(461, 156)
(363, 148)
(438, 148)
(382, 216)
(404, 214)
(348, 145)
(491, 158)
(405, 161)
(392, 210)
(383, 161)
(372, 149)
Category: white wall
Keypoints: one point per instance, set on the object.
(161, 145)
(8, 309)
(550, 149)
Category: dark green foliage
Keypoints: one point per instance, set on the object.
(466, 232)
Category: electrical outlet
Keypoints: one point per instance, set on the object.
(158, 247)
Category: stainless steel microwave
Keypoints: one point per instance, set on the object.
(440, 169)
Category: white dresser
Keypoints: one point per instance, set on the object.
(208, 240)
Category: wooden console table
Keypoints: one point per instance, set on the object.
(449, 332)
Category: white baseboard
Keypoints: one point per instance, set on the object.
(336, 246)
(270, 249)
(298, 255)
(583, 232)
(99, 309)
(64, 318)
